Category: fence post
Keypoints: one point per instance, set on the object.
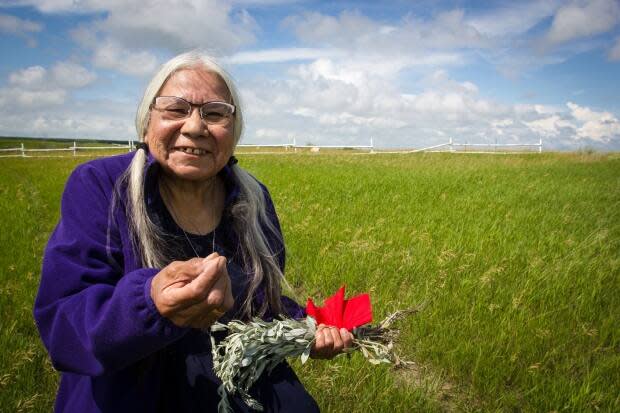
(451, 147)
(294, 144)
(129, 145)
(372, 146)
(74, 148)
(23, 151)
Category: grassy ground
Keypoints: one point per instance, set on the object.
(517, 259)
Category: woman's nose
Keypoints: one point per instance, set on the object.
(194, 125)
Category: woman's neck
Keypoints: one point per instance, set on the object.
(196, 206)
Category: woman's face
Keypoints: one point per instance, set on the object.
(173, 143)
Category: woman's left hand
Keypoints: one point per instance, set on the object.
(330, 341)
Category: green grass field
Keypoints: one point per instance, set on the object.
(517, 259)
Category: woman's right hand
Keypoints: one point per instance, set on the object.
(193, 293)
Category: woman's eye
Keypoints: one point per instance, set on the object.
(213, 115)
(176, 111)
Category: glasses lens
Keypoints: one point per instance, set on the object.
(172, 107)
(217, 113)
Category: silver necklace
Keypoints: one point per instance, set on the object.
(192, 245)
(176, 220)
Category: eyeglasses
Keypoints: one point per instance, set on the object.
(176, 108)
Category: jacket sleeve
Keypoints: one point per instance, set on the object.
(93, 319)
(290, 306)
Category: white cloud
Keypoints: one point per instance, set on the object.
(178, 25)
(498, 126)
(30, 87)
(130, 35)
(84, 36)
(513, 18)
(499, 36)
(360, 34)
(550, 126)
(279, 55)
(580, 123)
(173, 25)
(313, 27)
(110, 55)
(32, 98)
(99, 119)
(328, 102)
(71, 75)
(31, 77)
(63, 74)
(614, 52)
(70, 125)
(35, 86)
(20, 27)
(325, 102)
(349, 78)
(52, 6)
(581, 19)
(598, 126)
(448, 38)
(268, 133)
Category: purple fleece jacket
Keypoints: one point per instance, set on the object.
(95, 315)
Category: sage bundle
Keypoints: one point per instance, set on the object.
(256, 347)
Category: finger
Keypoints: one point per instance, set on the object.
(198, 289)
(210, 256)
(173, 273)
(193, 266)
(216, 303)
(205, 319)
(337, 345)
(210, 274)
(328, 340)
(347, 338)
(229, 300)
(182, 272)
(319, 343)
(221, 292)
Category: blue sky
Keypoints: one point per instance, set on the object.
(407, 74)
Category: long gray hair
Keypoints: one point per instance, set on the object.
(249, 212)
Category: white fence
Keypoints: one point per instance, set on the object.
(451, 146)
(21, 151)
(313, 148)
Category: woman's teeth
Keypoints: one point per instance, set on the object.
(192, 151)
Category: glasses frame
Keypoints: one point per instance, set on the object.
(200, 106)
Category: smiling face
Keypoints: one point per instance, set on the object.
(189, 148)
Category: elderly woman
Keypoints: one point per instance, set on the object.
(152, 247)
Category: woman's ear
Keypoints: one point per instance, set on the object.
(145, 138)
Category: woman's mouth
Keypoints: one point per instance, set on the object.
(190, 151)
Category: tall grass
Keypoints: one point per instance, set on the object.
(516, 259)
